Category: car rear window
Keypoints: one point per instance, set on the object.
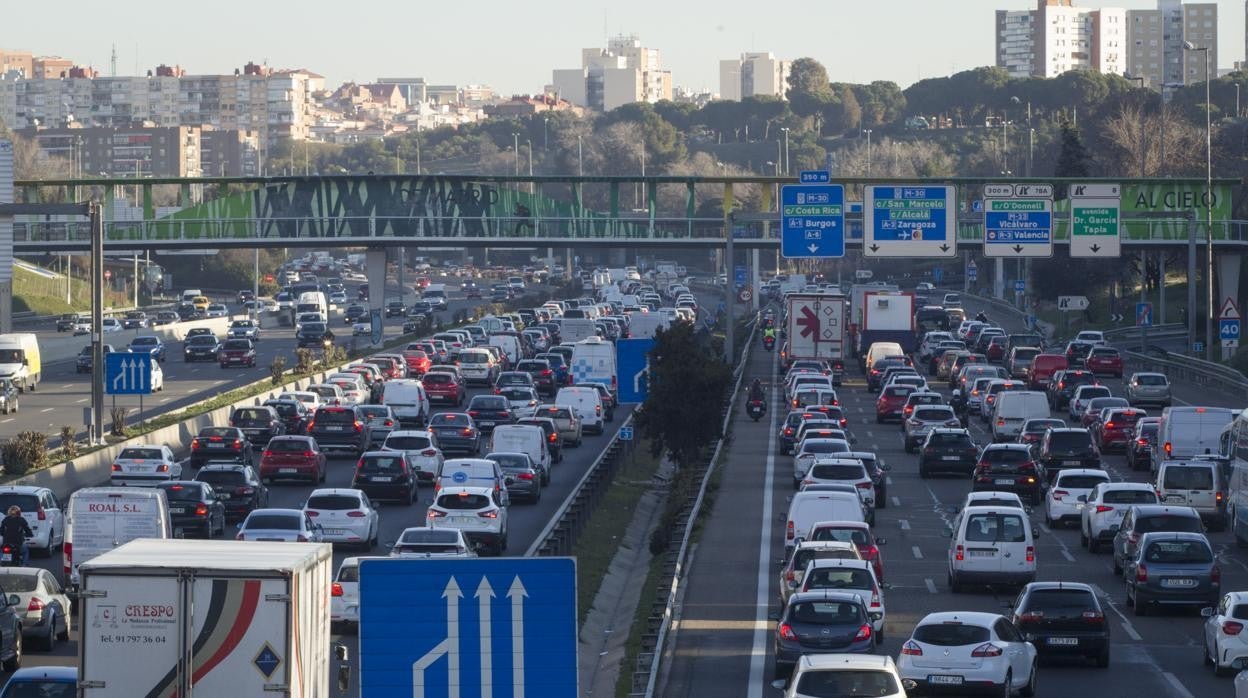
(221, 477)
(826, 612)
(1060, 603)
(1178, 552)
(284, 409)
(491, 402)
(1102, 353)
(223, 432)
(838, 471)
(381, 464)
(239, 344)
(950, 440)
(1151, 380)
(463, 502)
(140, 454)
(513, 461)
(436, 378)
(931, 414)
(335, 416)
(17, 583)
(252, 415)
(27, 502)
(278, 521)
(1169, 523)
(824, 446)
(950, 634)
(995, 528)
(1183, 477)
(1093, 392)
(336, 502)
(839, 578)
(287, 445)
(1070, 440)
(1130, 497)
(857, 536)
(1082, 482)
(182, 493)
(407, 443)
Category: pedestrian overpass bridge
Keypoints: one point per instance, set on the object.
(453, 211)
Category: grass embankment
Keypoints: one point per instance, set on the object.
(1097, 315)
(46, 296)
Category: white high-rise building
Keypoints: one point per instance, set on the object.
(753, 74)
(1015, 51)
(623, 73)
(1155, 41)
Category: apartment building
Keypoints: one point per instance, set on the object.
(753, 74)
(622, 73)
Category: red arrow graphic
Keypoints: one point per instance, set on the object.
(810, 323)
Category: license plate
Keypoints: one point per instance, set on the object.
(486, 424)
(1177, 583)
(333, 428)
(1004, 481)
(1070, 462)
(288, 471)
(943, 680)
(335, 531)
(212, 445)
(382, 478)
(1068, 641)
(463, 519)
(983, 553)
(949, 458)
(177, 510)
(1175, 498)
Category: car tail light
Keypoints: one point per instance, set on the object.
(41, 514)
(525, 476)
(912, 649)
(959, 553)
(335, 589)
(1031, 553)
(863, 485)
(1168, 449)
(313, 513)
(201, 509)
(864, 632)
(309, 454)
(788, 431)
(1000, 422)
(1102, 508)
(1141, 574)
(491, 514)
(194, 444)
(359, 426)
(116, 468)
(1093, 617)
(36, 604)
(986, 650)
(788, 531)
(356, 514)
(786, 632)
(1032, 617)
(790, 575)
(1215, 575)
(875, 599)
(1220, 497)
(467, 431)
(389, 422)
(435, 514)
(1109, 425)
(67, 550)
(238, 443)
(1058, 494)
(1229, 627)
(1141, 442)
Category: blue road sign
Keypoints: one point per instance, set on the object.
(812, 217)
(267, 661)
(972, 270)
(626, 433)
(977, 205)
(1143, 314)
(814, 177)
(1228, 329)
(1018, 220)
(468, 627)
(937, 273)
(853, 226)
(909, 220)
(1020, 285)
(632, 366)
(739, 275)
(127, 374)
(1198, 347)
(376, 325)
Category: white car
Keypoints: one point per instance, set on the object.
(857, 576)
(42, 511)
(1065, 499)
(42, 606)
(344, 597)
(957, 648)
(145, 465)
(361, 329)
(309, 399)
(345, 516)
(282, 525)
(1107, 504)
(217, 310)
(1093, 336)
(478, 512)
(338, 298)
(991, 498)
(931, 340)
(110, 324)
(848, 471)
(1083, 395)
(811, 449)
(924, 419)
(158, 377)
(426, 543)
(521, 401)
(421, 447)
(1225, 645)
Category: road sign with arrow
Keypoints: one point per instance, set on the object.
(1095, 216)
(1229, 324)
(1018, 220)
(1072, 302)
(812, 220)
(910, 220)
(127, 374)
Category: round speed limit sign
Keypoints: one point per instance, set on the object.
(745, 295)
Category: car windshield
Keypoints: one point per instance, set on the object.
(840, 578)
(463, 501)
(336, 502)
(1182, 477)
(290, 522)
(140, 454)
(203, 339)
(1130, 497)
(241, 324)
(182, 493)
(826, 612)
(1178, 552)
(381, 464)
(950, 634)
(144, 342)
(995, 528)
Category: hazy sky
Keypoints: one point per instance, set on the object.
(514, 45)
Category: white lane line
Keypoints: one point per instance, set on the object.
(163, 400)
(896, 501)
(888, 480)
(1176, 685)
(931, 586)
(870, 435)
(67, 386)
(6, 421)
(903, 524)
(81, 401)
(762, 598)
(47, 409)
(918, 554)
(1066, 554)
(1126, 624)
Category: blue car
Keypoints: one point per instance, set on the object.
(456, 432)
(559, 365)
(148, 344)
(42, 681)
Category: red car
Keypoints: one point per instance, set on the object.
(389, 367)
(996, 348)
(293, 457)
(443, 387)
(417, 361)
(1118, 430)
(435, 353)
(237, 352)
(1104, 360)
(891, 402)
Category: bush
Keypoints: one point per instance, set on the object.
(69, 445)
(118, 416)
(26, 451)
(277, 370)
(305, 361)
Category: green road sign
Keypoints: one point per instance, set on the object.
(1095, 212)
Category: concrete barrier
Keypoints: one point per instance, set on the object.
(93, 469)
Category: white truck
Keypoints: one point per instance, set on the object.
(817, 328)
(206, 618)
(888, 316)
(642, 325)
(20, 360)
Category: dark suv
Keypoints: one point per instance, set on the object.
(385, 475)
(541, 372)
(489, 411)
(1009, 468)
(1151, 518)
(220, 443)
(194, 507)
(259, 424)
(339, 428)
(237, 486)
(294, 414)
(1063, 389)
(948, 451)
(1063, 619)
(1068, 448)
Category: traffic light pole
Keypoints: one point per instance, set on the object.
(95, 211)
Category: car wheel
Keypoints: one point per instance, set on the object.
(48, 643)
(1029, 690)
(15, 662)
(954, 585)
(62, 635)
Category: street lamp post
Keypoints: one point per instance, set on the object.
(545, 133)
(786, 149)
(580, 160)
(1143, 147)
(868, 132)
(515, 144)
(1211, 311)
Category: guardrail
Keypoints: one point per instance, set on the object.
(1172, 329)
(1205, 374)
(660, 619)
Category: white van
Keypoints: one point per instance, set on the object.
(191, 294)
(99, 519)
(509, 345)
(879, 350)
(20, 360)
(472, 472)
(991, 545)
(1013, 408)
(436, 295)
(1189, 431)
(406, 397)
(313, 302)
(477, 365)
(593, 361)
(1197, 484)
(585, 404)
(808, 508)
(523, 438)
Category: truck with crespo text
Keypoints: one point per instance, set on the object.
(817, 328)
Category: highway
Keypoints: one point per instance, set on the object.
(725, 621)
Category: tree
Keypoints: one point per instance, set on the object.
(681, 415)
(1074, 159)
(844, 115)
(810, 92)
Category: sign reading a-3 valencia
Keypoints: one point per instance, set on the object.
(910, 220)
(1095, 212)
(1018, 220)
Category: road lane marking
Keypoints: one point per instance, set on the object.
(888, 480)
(81, 401)
(762, 598)
(931, 586)
(1177, 685)
(918, 554)
(6, 421)
(1060, 543)
(1126, 624)
(47, 409)
(905, 525)
(895, 500)
(67, 386)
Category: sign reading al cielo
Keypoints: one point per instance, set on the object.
(1178, 198)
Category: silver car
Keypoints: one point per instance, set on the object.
(42, 606)
(924, 419)
(1148, 389)
(1020, 360)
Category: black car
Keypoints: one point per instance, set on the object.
(244, 296)
(202, 347)
(10, 635)
(948, 451)
(876, 375)
(1009, 468)
(1063, 619)
(313, 334)
(471, 289)
(220, 443)
(134, 320)
(294, 414)
(456, 433)
(339, 428)
(66, 322)
(489, 411)
(396, 309)
(1063, 389)
(85, 358)
(543, 375)
(259, 424)
(188, 311)
(355, 313)
(237, 487)
(194, 509)
(500, 294)
(1140, 443)
(421, 308)
(1077, 353)
(362, 292)
(1068, 448)
(9, 396)
(385, 475)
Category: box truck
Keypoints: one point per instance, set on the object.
(19, 360)
(887, 316)
(817, 329)
(206, 618)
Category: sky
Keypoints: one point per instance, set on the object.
(513, 46)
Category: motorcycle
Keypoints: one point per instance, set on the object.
(10, 556)
(769, 343)
(756, 409)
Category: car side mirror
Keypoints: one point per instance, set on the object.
(14, 600)
(1083, 498)
(886, 468)
(1206, 612)
(779, 684)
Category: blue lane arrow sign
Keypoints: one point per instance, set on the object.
(127, 374)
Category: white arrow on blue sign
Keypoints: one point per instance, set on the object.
(812, 220)
(127, 374)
